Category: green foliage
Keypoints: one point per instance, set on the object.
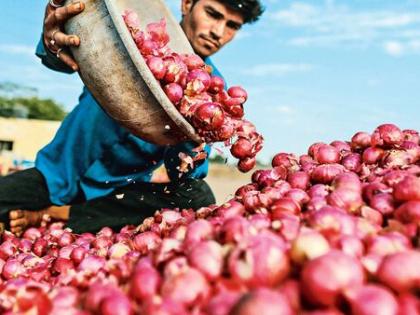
(17, 100)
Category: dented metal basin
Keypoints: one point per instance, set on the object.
(116, 74)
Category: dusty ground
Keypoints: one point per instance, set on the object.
(225, 180)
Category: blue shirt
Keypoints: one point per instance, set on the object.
(93, 154)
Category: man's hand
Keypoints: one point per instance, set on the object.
(55, 40)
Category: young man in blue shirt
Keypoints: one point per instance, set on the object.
(95, 173)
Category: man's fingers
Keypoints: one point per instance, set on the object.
(61, 40)
(19, 222)
(67, 59)
(57, 17)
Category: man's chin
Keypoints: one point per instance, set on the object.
(203, 51)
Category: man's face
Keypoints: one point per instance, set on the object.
(209, 25)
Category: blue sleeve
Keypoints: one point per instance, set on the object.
(173, 162)
(50, 60)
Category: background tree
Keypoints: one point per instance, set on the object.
(21, 101)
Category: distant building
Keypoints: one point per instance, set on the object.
(21, 139)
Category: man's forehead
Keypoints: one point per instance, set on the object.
(228, 7)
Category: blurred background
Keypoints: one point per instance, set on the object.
(314, 70)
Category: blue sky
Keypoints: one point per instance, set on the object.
(314, 70)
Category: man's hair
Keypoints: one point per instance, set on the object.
(250, 10)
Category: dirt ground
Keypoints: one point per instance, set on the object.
(225, 180)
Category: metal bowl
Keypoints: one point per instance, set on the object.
(116, 74)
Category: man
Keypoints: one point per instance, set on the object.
(95, 173)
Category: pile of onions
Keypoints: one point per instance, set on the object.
(315, 234)
(216, 114)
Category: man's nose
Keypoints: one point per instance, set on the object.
(217, 30)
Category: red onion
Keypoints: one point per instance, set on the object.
(330, 221)
(342, 146)
(285, 159)
(12, 269)
(174, 92)
(40, 247)
(313, 149)
(372, 155)
(241, 148)
(284, 205)
(118, 250)
(400, 271)
(324, 278)
(262, 301)
(247, 164)
(298, 195)
(96, 294)
(351, 245)
(32, 234)
(146, 241)
(407, 189)
(327, 154)
(409, 212)
(235, 230)
(326, 173)
(347, 199)
(145, 283)
(308, 245)
(193, 61)
(217, 84)
(299, 180)
(157, 66)
(320, 190)
(411, 135)
(372, 299)
(7, 249)
(261, 262)
(91, 264)
(382, 202)
(409, 304)
(208, 116)
(387, 244)
(287, 225)
(387, 135)
(198, 231)
(207, 257)
(77, 254)
(371, 215)
(63, 265)
(230, 209)
(222, 303)
(352, 162)
(175, 287)
(360, 140)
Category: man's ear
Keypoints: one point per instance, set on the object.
(186, 6)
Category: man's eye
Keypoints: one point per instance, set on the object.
(213, 14)
(233, 26)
